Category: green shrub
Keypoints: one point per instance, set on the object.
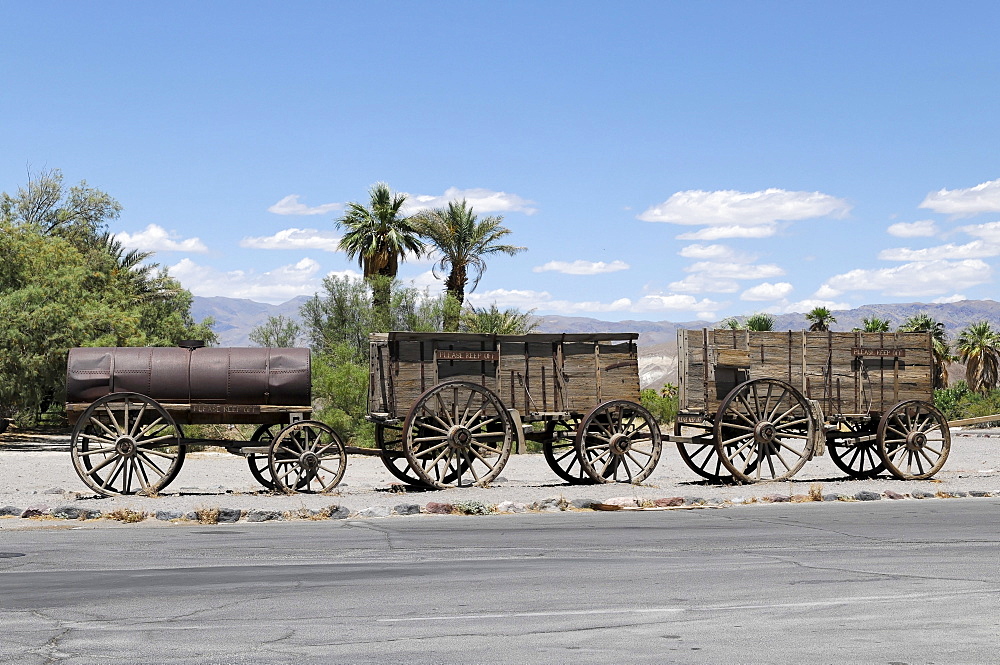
(662, 405)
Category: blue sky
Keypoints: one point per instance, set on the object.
(663, 160)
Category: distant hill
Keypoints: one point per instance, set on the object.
(235, 318)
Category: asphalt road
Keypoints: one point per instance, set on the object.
(898, 582)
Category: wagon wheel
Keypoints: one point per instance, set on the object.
(390, 444)
(559, 448)
(702, 457)
(913, 440)
(858, 459)
(307, 456)
(258, 462)
(126, 443)
(457, 434)
(618, 441)
(763, 431)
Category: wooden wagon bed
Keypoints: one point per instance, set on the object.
(763, 403)
(846, 372)
(533, 373)
(449, 407)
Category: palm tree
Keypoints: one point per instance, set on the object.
(979, 348)
(873, 324)
(498, 322)
(923, 322)
(462, 241)
(760, 322)
(379, 237)
(821, 318)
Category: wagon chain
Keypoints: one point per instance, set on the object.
(520, 379)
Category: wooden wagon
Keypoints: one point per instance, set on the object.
(449, 407)
(757, 405)
(128, 406)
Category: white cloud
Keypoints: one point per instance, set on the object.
(581, 267)
(274, 286)
(722, 232)
(294, 239)
(984, 197)
(155, 238)
(737, 270)
(426, 281)
(290, 206)
(654, 302)
(825, 292)
(523, 299)
(740, 210)
(482, 201)
(704, 283)
(958, 297)
(977, 249)
(767, 291)
(528, 299)
(714, 253)
(922, 229)
(926, 278)
(989, 232)
(809, 304)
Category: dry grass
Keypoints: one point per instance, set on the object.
(207, 515)
(816, 492)
(473, 508)
(127, 515)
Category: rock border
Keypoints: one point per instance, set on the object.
(228, 515)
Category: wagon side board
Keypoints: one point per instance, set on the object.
(850, 373)
(533, 373)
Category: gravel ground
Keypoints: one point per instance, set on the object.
(37, 480)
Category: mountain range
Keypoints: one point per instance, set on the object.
(235, 318)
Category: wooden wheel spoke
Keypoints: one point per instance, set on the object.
(147, 430)
(468, 405)
(96, 451)
(744, 428)
(741, 437)
(114, 420)
(430, 450)
(141, 475)
(113, 436)
(777, 404)
(138, 420)
(145, 443)
(114, 473)
(483, 446)
(752, 423)
(470, 422)
(767, 401)
(783, 446)
(151, 464)
(445, 410)
(601, 444)
(752, 409)
(103, 463)
(428, 439)
(923, 453)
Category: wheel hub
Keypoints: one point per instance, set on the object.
(916, 440)
(765, 432)
(309, 461)
(126, 446)
(620, 443)
(460, 438)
